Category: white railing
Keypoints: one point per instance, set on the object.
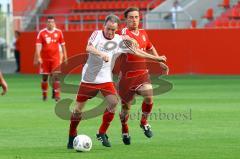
(157, 20)
(66, 21)
(162, 20)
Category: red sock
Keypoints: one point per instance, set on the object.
(56, 88)
(146, 110)
(44, 86)
(124, 119)
(75, 119)
(106, 120)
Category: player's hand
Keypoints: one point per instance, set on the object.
(161, 58)
(4, 86)
(165, 68)
(65, 60)
(37, 61)
(105, 57)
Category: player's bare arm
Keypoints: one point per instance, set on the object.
(164, 66)
(91, 49)
(153, 51)
(64, 51)
(37, 57)
(3, 84)
(132, 45)
(143, 54)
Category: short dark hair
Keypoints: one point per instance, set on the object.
(130, 9)
(50, 17)
(17, 32)
(113, 18)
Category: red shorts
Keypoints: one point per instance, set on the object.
(89, 90)
(128, 86)
(50, 66)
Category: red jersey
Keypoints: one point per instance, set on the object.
(132, 64)
(50, 41)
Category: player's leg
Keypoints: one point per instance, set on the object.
(55, 70)
(124, 115)
(75, 120)
(85, 92)
(126, 94)
(146, 91)
(53, 93)
(44, 71)
(107, 118)
(44, 86)
(56, 86)
(109, 92)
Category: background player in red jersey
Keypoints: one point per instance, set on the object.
(48, 56)
(3, 84)
(134, 75)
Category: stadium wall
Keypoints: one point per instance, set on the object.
(198, 51)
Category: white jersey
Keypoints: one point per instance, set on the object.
(96, 70)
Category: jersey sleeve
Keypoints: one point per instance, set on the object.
(123, 49)
(39, 39)
(149, 45)
(61, 38)
(93, 39)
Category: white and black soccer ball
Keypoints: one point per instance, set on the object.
(82, 143)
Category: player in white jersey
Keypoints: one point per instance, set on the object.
(103, 47)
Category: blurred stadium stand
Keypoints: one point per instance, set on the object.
(73, 15)
(229, 18)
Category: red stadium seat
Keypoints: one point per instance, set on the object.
(235, 13)
(233, 24)
(101, 17)
(193, 24)
(225, 4)
(218, 24)
(226, 24)
(209, 14)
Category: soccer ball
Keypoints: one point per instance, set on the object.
(82, 143)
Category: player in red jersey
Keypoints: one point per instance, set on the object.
(3, 84)
(104, 46)
(134, 77)
(47, 56)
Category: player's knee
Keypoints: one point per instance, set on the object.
(114, 103)
(44, 78)
(145, 90)
(55, 77)
(112, 108)
(146, 87)
(148, 100)
(78, 107)
(126, 107)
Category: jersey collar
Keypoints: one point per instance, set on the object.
(136, 34)
(50, 31)
(105, 36)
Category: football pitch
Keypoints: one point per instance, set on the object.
(199, 118)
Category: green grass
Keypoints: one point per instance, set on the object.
(29, 128)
